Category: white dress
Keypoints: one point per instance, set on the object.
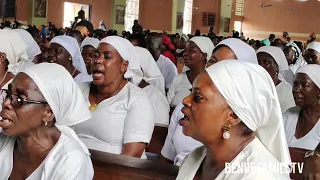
(167, 68)
(160, 104)
(284, 91)
(65, 161)
(83, 78)
(179, 89)
(127, 117)
(177, 146)
(310, 141)
(253, 153)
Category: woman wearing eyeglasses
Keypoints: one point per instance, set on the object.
(36, 142)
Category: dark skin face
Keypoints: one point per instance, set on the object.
(305, 91)
(269, 64)
(193, 56)
(289, 53)
(61, 56)
(109, 68)
(312, 57)
(89, 54)
(220, 54)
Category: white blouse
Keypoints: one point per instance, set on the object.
(179, 89)
(310, 141)
(127, 117)
(284, 91)
(177, 146)
(160, 104)
(167, 69)
(253, 153)
(83, 78)
(65, 161)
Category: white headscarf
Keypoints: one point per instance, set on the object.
(278, 56)
(72, 46)
(13, 46)
(33, 48)
(63, 96)
(298, 54)
(314, 46)
(151, 72)
(204, 44)
(251, 94)
(241, 49)
(313, 71)
(94, 42)
(128, 53)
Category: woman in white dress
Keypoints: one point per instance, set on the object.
(196, 55)
(177, 146)
(302, 123)
(123, 117)
(294, 57)
(64, 50)
(273, 60)
(36, 142)
(312, 53)
(234, 111)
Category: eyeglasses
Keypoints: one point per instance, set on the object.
(16, 100)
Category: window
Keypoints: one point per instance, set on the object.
(132, 13)
(239, 7)
(71, 11)
(187, 17)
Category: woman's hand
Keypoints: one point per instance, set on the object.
(311, 168)
(180, 64)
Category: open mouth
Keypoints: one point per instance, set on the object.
(96, 73)
(183, 121)
(6, 122)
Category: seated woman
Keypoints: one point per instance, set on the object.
(273, 60)
(89, 52)
(123, 117)
(302, 123)
(36, 142)
(64, 50)
(236, 121)
(177, 146)
(312, 53)
(294, 57)
(198, 52)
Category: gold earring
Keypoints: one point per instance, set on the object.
(46, 123)
(226, 133)
(70, 59)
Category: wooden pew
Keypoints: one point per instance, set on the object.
(109, 166)
(158, 138)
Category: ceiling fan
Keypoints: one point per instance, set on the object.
(263, 5)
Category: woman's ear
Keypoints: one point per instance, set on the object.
(204, 55)
(3, 57)
(124, 66)
(233, 119)
(48, 116)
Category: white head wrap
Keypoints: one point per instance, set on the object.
(33, 48)
(63, 96)
(204, 44)
(313, 71)
(72, 46)
(314, 46)
(251, 94)
(94, 42)
(151, 72)
(241, 49)
(278, 56)
(13, 46)
(128, 53)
